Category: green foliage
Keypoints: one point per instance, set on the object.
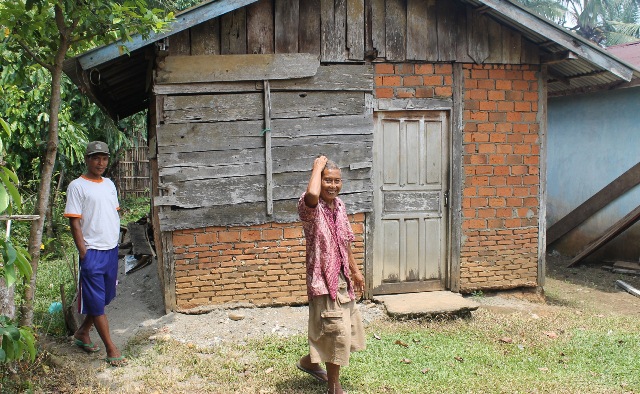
(605, 22)
(52, 274)
(132, 209)
(18, 343)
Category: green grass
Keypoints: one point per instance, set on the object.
(564, 352)
(51, 274)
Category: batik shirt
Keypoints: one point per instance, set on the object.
(328, 235)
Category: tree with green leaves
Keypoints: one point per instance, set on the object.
(47, 31)
(17, 342)
(605, 22)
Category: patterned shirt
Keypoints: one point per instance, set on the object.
(328, 235)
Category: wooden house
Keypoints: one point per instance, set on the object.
(434, 109)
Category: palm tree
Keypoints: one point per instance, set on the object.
(605, 22)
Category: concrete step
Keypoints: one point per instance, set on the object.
(427, 304)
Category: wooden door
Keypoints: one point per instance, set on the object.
(411, 167)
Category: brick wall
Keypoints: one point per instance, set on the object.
(259, 265)
(501, 184)
(501, 161)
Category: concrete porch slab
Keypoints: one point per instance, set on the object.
(427, 304)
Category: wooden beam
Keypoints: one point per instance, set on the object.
(613, 190)
(558, 57)
(267, 147)
(182, 22)
(620, 226)
(528, 21)
(226, 68)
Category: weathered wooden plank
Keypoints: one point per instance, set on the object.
(616, 188)
(199, 137)
(345, 77)
(616, 229)
(239, 190)
(221, 158)
(205, 165)
(355, 29)
(206, 87)
(324, 126)
(285, 211)
(267, 144)
(206, 108)
(530, 52)
(447, 31)
(206, 171)
(180, 44)
(233, 32)
(298, 105)
(378, 31)
(333, 25)
(315, 140)
(225, 68)
(478, 36)
(286, 26)
(462, 38)
(309, 27)
(495, 42)
(396, 29)
(260, 29)
(421, 35)
(205, 38)
(512, 46)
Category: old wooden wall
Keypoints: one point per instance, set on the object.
(339, 31)
(213, 153)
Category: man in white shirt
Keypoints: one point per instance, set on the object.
(92, 208)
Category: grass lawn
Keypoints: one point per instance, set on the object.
(564, 352)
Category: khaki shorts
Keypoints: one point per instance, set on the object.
(335, 328)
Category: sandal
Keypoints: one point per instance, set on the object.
(87, 347)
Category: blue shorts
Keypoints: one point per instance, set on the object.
(98, 277)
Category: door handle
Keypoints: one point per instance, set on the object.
(446, 198)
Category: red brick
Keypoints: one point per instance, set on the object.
(384, 93)
(405, 93)
(229, 236)
(424, 92)
(503, 84)
(424, 69)
(391, 80)
(443, 91)
(444, 68)
(384, 68)
(183, 240)
(206, 238)
(496, 95)
(272, 234)
(432, 80)
(412, 80)
(404, 68)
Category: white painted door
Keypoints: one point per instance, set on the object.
(411, 166)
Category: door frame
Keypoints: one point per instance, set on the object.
(456, 125)
(381, 107)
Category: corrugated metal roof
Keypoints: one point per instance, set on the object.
(118, 82)
(587, 66)
(629, 52)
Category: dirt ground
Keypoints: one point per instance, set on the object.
(137, 313)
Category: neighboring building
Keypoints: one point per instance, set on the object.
(435, 110)
(593, 139)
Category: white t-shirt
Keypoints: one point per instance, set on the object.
(96, 204)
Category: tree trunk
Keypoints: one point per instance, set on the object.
(44, 189)
(50, 224)
(7, 300)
